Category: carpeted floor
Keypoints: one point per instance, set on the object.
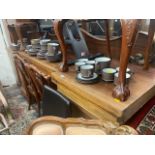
(144, 120)
(147, 125)
(19, 110)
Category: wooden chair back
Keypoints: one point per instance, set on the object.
(38, 78)
(29, 90)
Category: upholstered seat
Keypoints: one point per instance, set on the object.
(46, 128)
(79, 130)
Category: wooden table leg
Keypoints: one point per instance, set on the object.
(58, 28)
(149, 43)
(18, 29)
(107, 37)
(129, 31)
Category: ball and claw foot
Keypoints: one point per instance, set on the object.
(121, 92)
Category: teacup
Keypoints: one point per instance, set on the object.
(91, 62)
(101, 63)
(35, 43)
(78, 65)
(128, 76)
(53, 48)
(87, 71)
(28, 47)
(108, 74)
(44, 43)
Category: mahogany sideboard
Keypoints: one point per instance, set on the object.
(96, 99)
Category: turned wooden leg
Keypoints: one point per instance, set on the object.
(149, 43)
(58, 28)
(129, 31)
(18, 29)
(107, 37)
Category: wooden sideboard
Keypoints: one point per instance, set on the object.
(96, 99)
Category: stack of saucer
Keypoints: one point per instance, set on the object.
(85, 72)
(35, 44)
(43, 48)
(43, 44)
(41, 55)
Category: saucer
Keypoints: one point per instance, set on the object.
(90, 80)
(54, 58)
(31, 50)
(41, 55)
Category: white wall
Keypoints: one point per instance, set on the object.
(7, 73)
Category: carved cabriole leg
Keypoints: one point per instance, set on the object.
(149, 43)
(107, 37)
(129, 31)
(58, 28)
(18, 29)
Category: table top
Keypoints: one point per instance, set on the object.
(142, 88)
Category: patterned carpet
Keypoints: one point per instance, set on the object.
(147, 125)
(19, 110)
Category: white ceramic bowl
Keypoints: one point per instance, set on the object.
(128, 77)
(108, 74)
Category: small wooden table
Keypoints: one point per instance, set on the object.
(96, 99)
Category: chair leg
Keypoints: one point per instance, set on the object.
(149, 43)
(4, 122)
(18, 29)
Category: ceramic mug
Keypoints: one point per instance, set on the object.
(35, 43)
(44, 43)
(53, 48)
(91, 62)
(108, 74)
(101, 63)
(78, 65)
(87, 71)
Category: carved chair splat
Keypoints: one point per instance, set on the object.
(29, 89)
